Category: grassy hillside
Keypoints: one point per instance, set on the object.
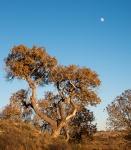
(23, 136)
(19, 135)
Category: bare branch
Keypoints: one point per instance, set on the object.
(72, 84)
(33, 103)
(74, 111)
(61, 110)
(67, 135)
(61, 94)
(58, 113)
(78, 96)
(38, 80)
(32, 71)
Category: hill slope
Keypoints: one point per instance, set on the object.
(20, 135)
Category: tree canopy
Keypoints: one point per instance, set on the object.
(76, 86)
(119, 112)
(81, 125)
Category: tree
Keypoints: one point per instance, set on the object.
(76, 86)
(81, 125)
(119, 112)
(18, 109)
(11, 113)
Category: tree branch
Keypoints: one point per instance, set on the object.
(74, 111)
(33, 103)
(61, 94)
(60, 110)
(32, 71)
(58, 113)
(38, 80)
(72, 84)
(67, 135)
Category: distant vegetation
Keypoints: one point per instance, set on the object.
(119, 119)
(59, 120)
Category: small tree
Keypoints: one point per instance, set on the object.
(11, 113)
(75, 86)
(18, 109)
(119, 112)
(81, 125)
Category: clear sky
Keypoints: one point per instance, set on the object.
(71, 31)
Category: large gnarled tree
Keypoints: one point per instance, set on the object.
(76, 86)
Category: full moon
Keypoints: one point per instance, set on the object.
(102, 19)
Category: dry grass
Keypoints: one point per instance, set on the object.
(23, 136)
(108, 141)
(20, 136)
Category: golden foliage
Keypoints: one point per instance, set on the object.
(83, 79)
(24, 62)
(43, 104)
(76, 86)
(13, 112)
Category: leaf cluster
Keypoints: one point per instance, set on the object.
(24, 62)
(80, 82)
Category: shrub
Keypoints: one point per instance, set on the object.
(59, 144)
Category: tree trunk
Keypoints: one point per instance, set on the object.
(52, 122)
(56, 131)
(55, 127)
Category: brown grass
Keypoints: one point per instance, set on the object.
(20, 136)
(23, 136)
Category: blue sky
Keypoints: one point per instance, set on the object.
(71, 31)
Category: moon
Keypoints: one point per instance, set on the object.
(102, 19)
